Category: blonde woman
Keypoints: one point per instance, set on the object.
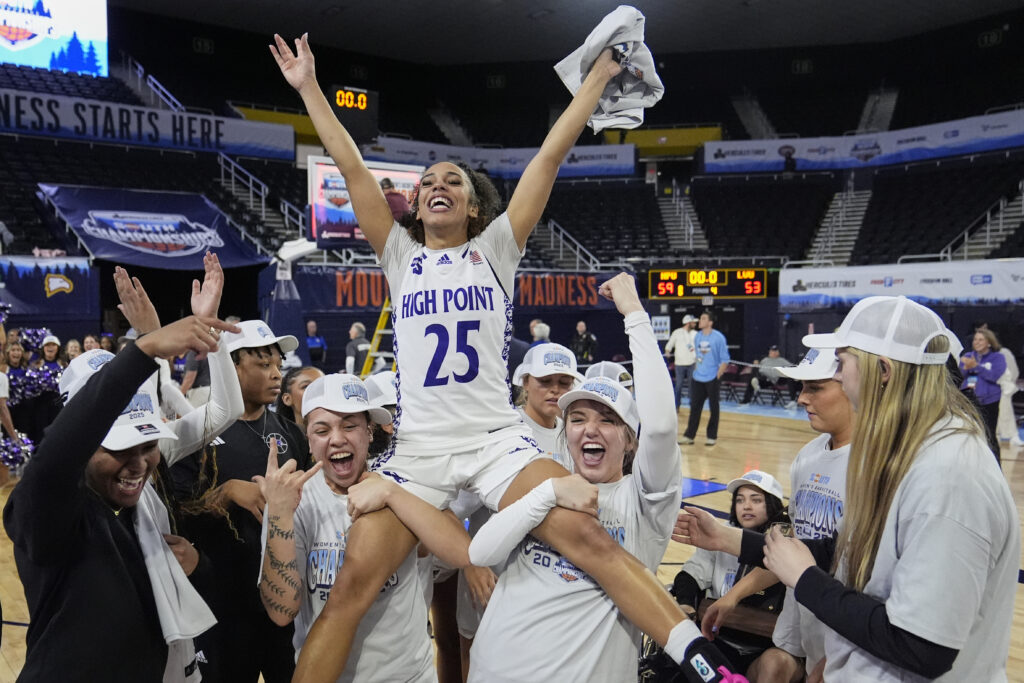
(925, 566)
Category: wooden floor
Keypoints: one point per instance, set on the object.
(745, 442)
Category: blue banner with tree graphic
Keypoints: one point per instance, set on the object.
(69, 35)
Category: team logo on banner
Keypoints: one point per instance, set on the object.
(24, 25)
(163, 234)
(55, 283)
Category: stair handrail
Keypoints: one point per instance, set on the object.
(982, 222)
(246, 236)
(164, 94)
(293, 215)
(236, 173)
(566, 242)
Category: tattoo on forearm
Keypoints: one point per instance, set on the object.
(274, 529)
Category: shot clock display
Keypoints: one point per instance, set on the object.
(357, 109)
(721, 283)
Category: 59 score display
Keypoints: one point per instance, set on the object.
(723, 283)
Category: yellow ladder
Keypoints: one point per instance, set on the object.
(383, 330)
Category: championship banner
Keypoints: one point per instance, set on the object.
(951, 138)
(75, 118)
(363, 290)
(151, 229)
(55, 288)
(589, 160)
(946, 282)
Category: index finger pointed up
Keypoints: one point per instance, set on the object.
(272, 457)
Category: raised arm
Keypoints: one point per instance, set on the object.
(368, 202)
(534, 188)
(658, 461)
(280, 583)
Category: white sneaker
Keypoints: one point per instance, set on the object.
(710, 442)
(1016, 441)
(685, 440)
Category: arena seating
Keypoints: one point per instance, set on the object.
(68, 84)
(921, 208)
(25, 162)
(761, 215)
(614, 219)
(813, 112)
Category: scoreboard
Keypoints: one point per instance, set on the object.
(721, 283)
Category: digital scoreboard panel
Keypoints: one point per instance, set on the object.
(721, 283)
(357, 109)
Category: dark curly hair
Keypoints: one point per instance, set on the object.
(483, 195)
(772, 504)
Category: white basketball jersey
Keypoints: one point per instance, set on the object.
(452, 317)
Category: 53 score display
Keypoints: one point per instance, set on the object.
(723, 283)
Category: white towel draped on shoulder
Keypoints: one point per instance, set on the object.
(637, 87)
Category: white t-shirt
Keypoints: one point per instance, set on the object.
(548, 440)
(946, 565)
(818, 480)
(547, 620)
(5, 385)
(391, 643)
(681, 342)
(452, 314)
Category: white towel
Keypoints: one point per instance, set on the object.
(638, 86)
(183, 613)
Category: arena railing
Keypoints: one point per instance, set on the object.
(293, 217)
(567, 246)
(236, 174)
(982, 223)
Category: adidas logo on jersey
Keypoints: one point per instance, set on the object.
(444, 260)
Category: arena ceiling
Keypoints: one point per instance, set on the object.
(477, 31)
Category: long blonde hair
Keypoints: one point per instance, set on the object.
(892, 421)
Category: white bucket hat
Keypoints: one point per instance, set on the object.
(608, 392)
(342, 393)
(890, 326)
(139, 422)
(547, 359)
(817, 364)
(761, 480)
(257, 334)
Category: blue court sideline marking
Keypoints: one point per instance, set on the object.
(699, 487)
(14, 623)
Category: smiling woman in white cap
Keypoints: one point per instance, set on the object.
(756, 504)
(548, 619)
(547, 372)
(306, 532)
(927, 559)
(108, 598)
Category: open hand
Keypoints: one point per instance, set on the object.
(135, 303)
(206, 296)
(699, 528)
(298, 68)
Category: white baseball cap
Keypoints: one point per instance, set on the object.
(817, 364)
(611, 370)
(139, 422)
(382, 389)
(687, 319)
(257, 334)
(50, 339)
(342, 393)
(547, 359)
(606, 391)
(890, 326)
(761, 480)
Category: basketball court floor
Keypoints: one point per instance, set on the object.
(751, 437)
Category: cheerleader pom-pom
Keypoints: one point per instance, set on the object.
(32, 384)
(47, 379)
(5, 310)
(14, 455)
(32, 338)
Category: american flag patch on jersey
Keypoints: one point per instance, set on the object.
(475, 258)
